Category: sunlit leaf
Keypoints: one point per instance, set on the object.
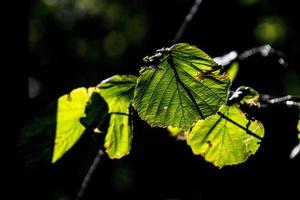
(118, 93)
(233, 70)
(226, 138)
(56, 129)
(181, 85)
(70, 109)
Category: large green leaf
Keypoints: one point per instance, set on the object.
(181, 85)
(226, 138)
(56, 129)
(118, 93)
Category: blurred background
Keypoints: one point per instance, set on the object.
(73, 43)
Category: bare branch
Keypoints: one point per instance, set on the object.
(89, 174)
(187, 20)
(289, 100)
(264, 51)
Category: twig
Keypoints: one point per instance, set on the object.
(289, 100)
(264, 51)
(89, 174)
(187, 20)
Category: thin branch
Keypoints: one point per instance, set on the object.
(289, 100)
(89, 174)
(264, 51)
(187, 20)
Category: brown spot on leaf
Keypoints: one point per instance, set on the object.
(209, 143)
(203, 75)
(69, 98)
(182, 136)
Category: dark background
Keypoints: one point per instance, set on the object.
(61, 45)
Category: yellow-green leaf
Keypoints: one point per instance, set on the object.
(57, 128)
(233, 70)
(118, 93)
(70, 109)
(226, 138)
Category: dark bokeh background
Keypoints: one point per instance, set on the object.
(74, 43)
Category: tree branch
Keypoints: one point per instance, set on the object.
(264, 50)
(187, 20)
(289, 100)
(89, 174)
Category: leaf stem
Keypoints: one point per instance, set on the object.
(187, 20)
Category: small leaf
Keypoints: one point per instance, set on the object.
(118, 93)
(181, 85)
(56, 129)
(70, 109)
(233, 70)
(226, 138)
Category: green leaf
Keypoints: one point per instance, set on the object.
(226, 138)
(118, 93)
(57, 128)
(70, 109)
(181, 85)
(36, 139)
(233, 70)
